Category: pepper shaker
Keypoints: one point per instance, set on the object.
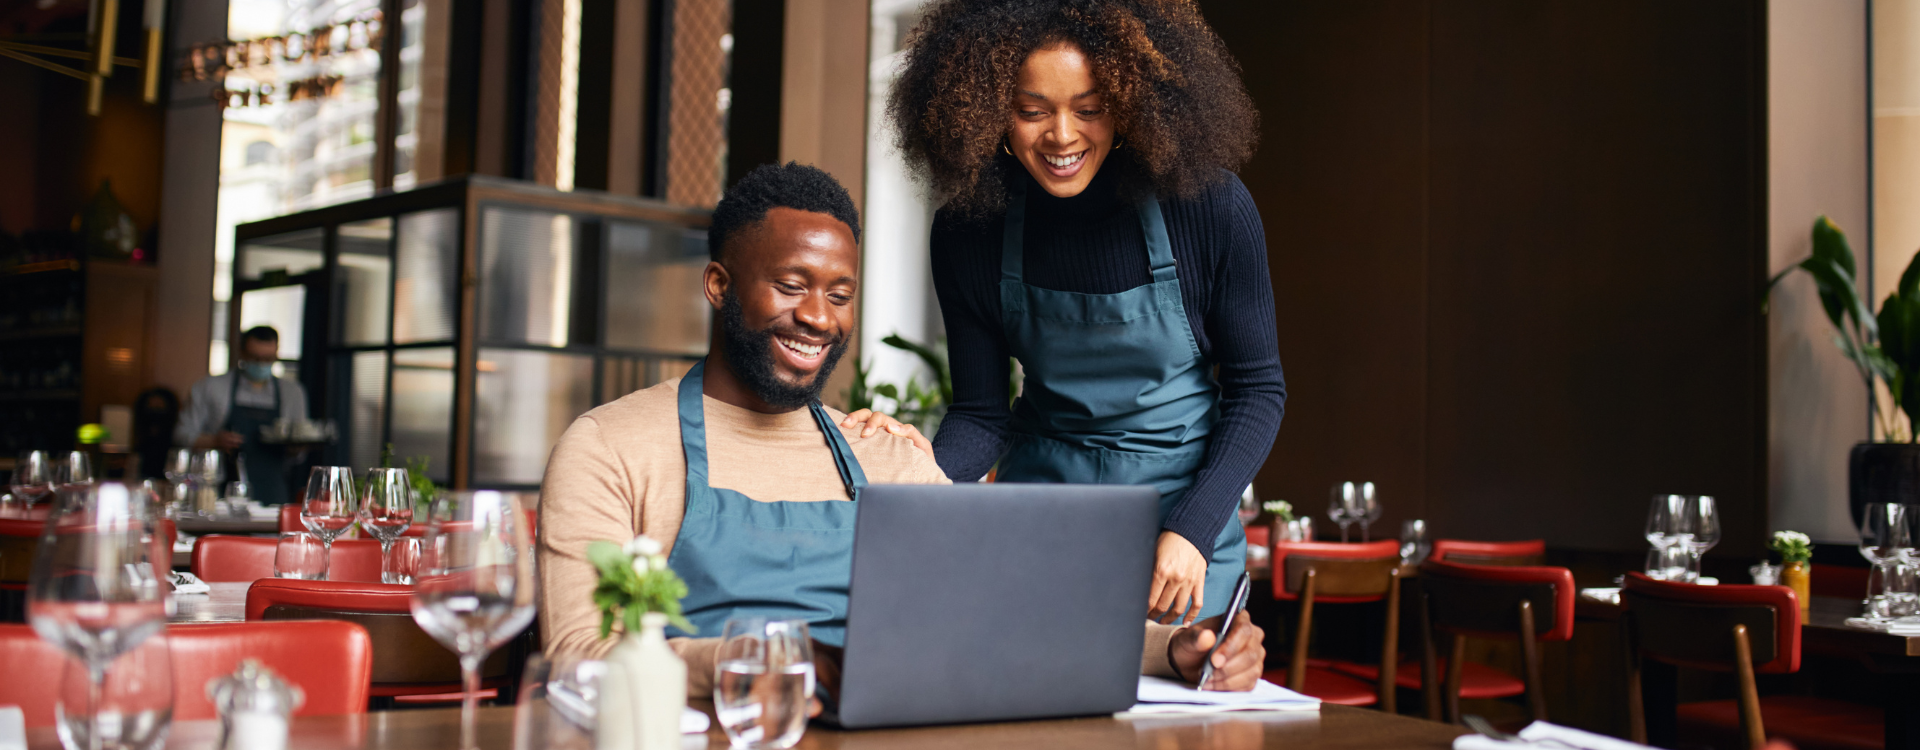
(254, 705)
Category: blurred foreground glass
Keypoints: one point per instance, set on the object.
(557, 703)
(476, 585)
(1414, 545)
(33, 474)
(135, 703)
(1674, 562)
(763, 678)
(301, 556)
(94, 592)
(386, 511)
(76, 471)
(400, 561)
(1883, 533)
(330, 505)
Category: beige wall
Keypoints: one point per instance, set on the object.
(189, 198)
(1817, 164)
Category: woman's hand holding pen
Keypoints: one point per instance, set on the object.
(1236, 664)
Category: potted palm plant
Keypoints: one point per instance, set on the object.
(1883, 348)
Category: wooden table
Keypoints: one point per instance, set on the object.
(226, 602)
(1334, 728)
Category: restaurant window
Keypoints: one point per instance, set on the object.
(313, 113)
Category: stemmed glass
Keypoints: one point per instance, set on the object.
(1414, 545)
(476, 585)
(78, 470)
(763, 678)
(33, 474)
(1365, 509)
(203, 477)
(1341, 508)
(179, 474)
(94, 591)
(386, 510)
(1883, 532)
(1702, 518)
(331, 505)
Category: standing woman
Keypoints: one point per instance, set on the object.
(1094, 230)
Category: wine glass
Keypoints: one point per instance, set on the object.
(204, 470)
(136, 702)
(1414, 546)
(1340, 509)
(386, 510)
(331, 505)
(762, 680)
(179, 474)
(1663, 520)
(33, 475)
(1366, 509)
(1883, 532)
(78, 469)
(1702, 517)
(95, 590)
(476, 585)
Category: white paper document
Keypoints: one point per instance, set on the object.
(1160, 696)
(1546, 736)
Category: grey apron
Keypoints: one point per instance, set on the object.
(266, 464)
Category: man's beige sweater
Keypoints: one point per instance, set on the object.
(619, 472)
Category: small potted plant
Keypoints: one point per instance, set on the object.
(645, 688)
(1287, 527)
(1796, 573)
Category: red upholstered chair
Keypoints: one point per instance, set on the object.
(1259, 535)
(330, 661)
(1746, 630)
(218, 557)
(1529, 552)
(1524, 604)
(409, 666)
(1336, 573)
(18, 540)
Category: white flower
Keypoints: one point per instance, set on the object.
(640, 565)
(1277, 507)
(643, 546)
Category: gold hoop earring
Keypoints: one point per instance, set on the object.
(1003, 146)
(1119, 144)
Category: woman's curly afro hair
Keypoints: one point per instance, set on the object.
(1173, 89)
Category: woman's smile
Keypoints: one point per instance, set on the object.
(1066, 165)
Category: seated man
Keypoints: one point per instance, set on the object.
(764, 527)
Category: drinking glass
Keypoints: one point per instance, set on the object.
(386, 510)
(1673, 562)
(1702, 516)
(763, 678)
(1365, 509)
(1883, 533)
(179, 465)
(476, 586)
(204, 470)
(301, 556)
(78, 469)
(1340, 509)
(1663, 520)
(1249, 506)
(548, 710)
(135, 703)
(330, 506)
(1414, 546)
(95, 590)
(33, 475)
(400, 561)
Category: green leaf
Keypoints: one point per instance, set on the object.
(887, 390)
(608, 558)
(935, 361)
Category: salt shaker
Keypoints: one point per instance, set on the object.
(254, 705)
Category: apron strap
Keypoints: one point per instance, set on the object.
(850, 474)
(1159, 247)
(233, 398)
(1012, 239)
(693, 427)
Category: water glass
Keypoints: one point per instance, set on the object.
(763, 679)
(400, 560)
(1414, 545)
(135, 703)
(1674, 562)
(301, 556)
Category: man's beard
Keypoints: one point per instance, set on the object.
(750, 355)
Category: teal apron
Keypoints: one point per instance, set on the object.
(1116, 391)
(266, 465)
(744, 558)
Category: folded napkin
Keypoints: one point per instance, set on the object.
(1545, 736)
(1602, 595)
(1902, 626)
(13, 728)
(187, 583)
(1158, 696)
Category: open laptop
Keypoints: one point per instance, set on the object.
(991, 602)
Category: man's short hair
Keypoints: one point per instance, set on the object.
(260, 333)
(768, 186)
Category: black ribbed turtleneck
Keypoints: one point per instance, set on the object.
(1092, 244)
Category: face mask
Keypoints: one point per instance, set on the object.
(257, 370)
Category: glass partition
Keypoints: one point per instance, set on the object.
(649, 269)
(526, 269)
(426, 296)
(363, 278)
(293, 253)
(423, 408)
(524, 400)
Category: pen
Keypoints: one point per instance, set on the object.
(1233, 609)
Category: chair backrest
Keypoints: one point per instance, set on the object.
(402, 652)
(1529, 552)
(1343, 572)
(1259, 535)
(19, 538)
(218, 557)
(330, 661)
(1692, 626)
(1483, 601)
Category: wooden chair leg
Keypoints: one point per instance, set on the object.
(1636, 700)
(1297, 668)
(1390, 646)
(1456, 663)
(1429, 661)
(1530, 655)
(1750, 723)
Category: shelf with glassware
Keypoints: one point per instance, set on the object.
(74, 335)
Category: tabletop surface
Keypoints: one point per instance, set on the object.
(1825, 629)
(1334, 728)
(225, 602)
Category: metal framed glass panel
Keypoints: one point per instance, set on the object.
(523, 400)
(293, 253)
(426, 294)
(423, 408)
(527, 262)
(363, 281)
